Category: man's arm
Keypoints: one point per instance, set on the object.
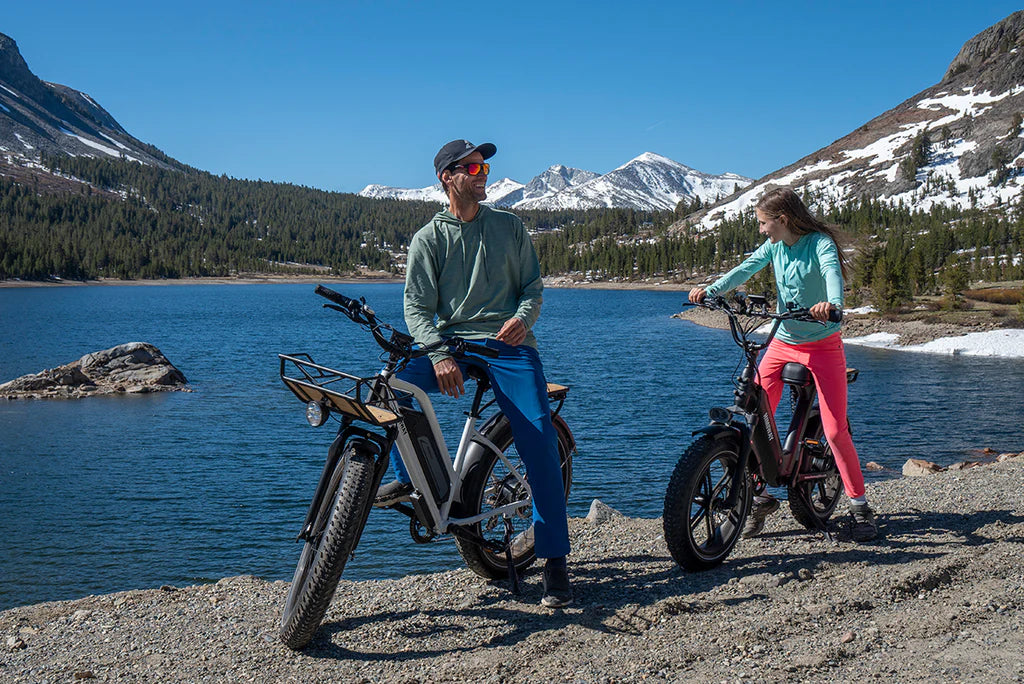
(420, 302)
(532, 294)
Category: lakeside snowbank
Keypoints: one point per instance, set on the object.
(1006, 343)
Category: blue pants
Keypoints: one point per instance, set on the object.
(517, 379)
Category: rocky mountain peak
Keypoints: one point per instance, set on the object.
(14, 71)
(39, 118)
(993, 58)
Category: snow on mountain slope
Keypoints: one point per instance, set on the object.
(648, 182)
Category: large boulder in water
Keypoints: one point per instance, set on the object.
(134, 367)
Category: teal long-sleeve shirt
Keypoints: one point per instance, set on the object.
(469, 278)
(806, 273)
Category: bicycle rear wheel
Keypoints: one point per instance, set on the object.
(812, 502)
(336, 531)
(489, 485)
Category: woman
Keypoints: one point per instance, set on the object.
(809, 270)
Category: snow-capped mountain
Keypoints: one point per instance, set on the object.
(548, 184)
(958, 143)
(648, 182)
(38, 117)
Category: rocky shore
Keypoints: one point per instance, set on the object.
(939, 597)
(910, 332)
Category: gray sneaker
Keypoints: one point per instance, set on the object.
(864, 527)
(393, 493)
(557, 589)
(759, 510)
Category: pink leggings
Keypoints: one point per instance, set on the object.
(827, 362)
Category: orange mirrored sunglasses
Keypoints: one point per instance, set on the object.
(474, 169)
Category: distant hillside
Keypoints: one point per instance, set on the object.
(959, 143)
(39, 118)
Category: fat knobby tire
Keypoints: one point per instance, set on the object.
(323, 558)
(815, 516)
(708, 465)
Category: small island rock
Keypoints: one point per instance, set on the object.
(134, 367)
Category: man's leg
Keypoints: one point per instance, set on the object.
(419, 372)
(521, 391)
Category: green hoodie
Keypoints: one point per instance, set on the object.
(472, 276)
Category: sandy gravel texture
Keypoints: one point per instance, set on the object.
(939, 597)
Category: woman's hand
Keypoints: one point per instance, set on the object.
(449, 378)
(821, 310)
(697, 295)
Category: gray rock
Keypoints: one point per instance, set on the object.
(915, 467)
(133, 367)
(601, 512)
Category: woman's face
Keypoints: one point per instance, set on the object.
(774, 229)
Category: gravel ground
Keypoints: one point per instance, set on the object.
(940, 596)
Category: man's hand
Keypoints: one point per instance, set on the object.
(449, 378)
(821, 310)
(697, 295)
(513, 333)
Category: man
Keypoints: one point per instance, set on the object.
(474, 270)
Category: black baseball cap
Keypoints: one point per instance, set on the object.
(456, 150)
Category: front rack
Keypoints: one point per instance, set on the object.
(352, 396)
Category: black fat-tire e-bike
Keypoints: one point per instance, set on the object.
(741, 452)
(482, 498)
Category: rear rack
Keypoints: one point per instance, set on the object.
(352, 396)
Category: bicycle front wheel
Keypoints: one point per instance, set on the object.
(701, 528)
(489, 485)
(335, 534)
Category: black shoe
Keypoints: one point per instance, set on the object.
(864, 527)
(557, 590)
(393, 493)
(759, 510)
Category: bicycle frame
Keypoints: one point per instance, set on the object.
(778, 461)
(434, 511)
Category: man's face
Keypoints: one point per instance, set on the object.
(462, 184)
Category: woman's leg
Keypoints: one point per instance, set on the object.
(827, 362)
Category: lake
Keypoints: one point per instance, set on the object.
(114, 493)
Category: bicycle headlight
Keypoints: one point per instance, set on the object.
(720, 415)
(316, 413)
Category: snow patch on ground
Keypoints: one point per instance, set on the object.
(1002, 343)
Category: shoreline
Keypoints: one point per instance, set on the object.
(256, 279)
(871, 330)
(938, 596)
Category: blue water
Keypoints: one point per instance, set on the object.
(107, 494)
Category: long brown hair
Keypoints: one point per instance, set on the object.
(784, 202)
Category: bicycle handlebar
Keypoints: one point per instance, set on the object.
(756, 306)
(400, 343)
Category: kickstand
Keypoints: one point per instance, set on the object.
(513, 576)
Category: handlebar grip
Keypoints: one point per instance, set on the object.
(835, 316)
(336, 297)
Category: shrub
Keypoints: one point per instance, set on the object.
(996, 295)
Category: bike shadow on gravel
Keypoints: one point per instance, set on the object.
(612, 594)
(627, 593)
(904, 537)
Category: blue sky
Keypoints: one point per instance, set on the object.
(336, 95)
